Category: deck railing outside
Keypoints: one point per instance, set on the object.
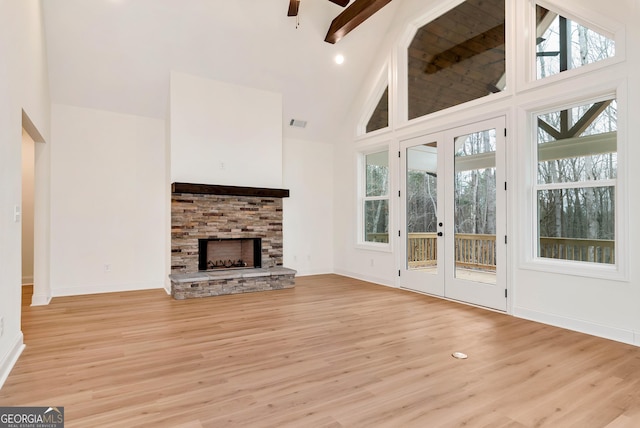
(584, 250)
(378, 237)
(478, 251)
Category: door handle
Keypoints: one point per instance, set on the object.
(439, 233)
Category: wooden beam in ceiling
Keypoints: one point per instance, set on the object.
(490, 39)
(294, 5)
(358, 12)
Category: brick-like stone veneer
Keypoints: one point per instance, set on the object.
(195, 216)
(222, 216)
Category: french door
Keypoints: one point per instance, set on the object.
(453, 214)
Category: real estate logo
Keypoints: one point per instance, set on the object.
(31, 417)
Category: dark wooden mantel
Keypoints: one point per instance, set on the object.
(214, 189)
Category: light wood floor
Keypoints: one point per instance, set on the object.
(333, 352)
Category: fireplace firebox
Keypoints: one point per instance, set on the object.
(229, 253)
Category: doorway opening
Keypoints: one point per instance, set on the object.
(35, 206)
(27, 213)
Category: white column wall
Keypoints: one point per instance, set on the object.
(308, 212)
(224, 134)
(108, 210)
(23, 86)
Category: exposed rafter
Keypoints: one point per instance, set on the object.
(358, 12)
(579, 127)
(489, 39)
(294, 6)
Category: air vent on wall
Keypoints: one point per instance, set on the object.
(298, 123)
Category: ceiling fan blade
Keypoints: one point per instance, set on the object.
(293, 7)
(342, 3)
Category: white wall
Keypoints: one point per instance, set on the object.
(224, 134)
(308, 212)
(604, 307)
(23, 85)
(28, 176)
(108, 201)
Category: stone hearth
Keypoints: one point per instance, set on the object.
(216, 283)
(207, 212)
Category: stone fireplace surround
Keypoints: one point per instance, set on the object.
(200, 211)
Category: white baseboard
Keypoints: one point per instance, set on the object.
(367, 278)
(106, 288)
(10, 358)
(618, 334)
(314, 272)
(40, 299)
(27, 280)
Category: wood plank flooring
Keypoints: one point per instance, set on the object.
(332, 352)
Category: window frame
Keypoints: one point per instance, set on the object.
(613, 30)
(531, 260)
(361, 241)
(382, 82)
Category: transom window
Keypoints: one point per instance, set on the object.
(458, 57)
(563, 44)
(380, 117)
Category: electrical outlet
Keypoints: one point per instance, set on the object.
(1, 326)
(371, 262)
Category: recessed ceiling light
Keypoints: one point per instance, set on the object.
(339, 59)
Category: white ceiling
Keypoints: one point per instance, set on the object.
(116, 55)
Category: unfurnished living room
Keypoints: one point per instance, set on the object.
(319, 213)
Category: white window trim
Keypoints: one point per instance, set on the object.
(530, 259)
(383, 81)
(360, 239)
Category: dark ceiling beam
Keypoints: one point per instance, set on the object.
(293, 7)
(358, 12)
(490, 39)
(342, 3)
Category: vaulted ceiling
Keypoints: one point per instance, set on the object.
(116, 55)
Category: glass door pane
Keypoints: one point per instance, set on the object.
(421, 207)
(475, 207)
(421, 211)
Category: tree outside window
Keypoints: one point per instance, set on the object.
(376, 197)
(576, 183)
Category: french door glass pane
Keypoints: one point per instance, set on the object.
(422, 215)
(475, 207)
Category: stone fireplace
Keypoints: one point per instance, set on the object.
(226, 240)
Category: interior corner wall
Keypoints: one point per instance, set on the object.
(308, 211)
(108, 208)
(224, 134)
(23, 86)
